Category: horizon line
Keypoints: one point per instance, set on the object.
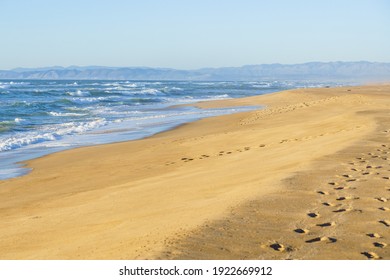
(21, 68)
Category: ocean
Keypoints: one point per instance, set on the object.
(39, 117)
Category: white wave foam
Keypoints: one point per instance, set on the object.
(19, 120)
(19, 83)
(191, 99)
(5, 122)
(48, 133)
(116, 88)
(111, 84)
(16, 120)
(262, 85)
(76, 109)
(150, 91)
(56, 114)
(221, 96)
(4, 86)
(147, 91)
(79, 93)
(12, 143)
(7, 85)
(129, 85)
(87, 99)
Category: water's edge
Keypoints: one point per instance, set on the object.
(15, 166)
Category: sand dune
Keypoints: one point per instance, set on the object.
(305, 178)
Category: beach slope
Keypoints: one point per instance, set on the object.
(305, 178)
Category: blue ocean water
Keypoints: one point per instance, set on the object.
(38, 117)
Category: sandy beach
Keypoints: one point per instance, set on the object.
(307, 177)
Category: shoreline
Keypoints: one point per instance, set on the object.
(139, 199)
(17, 168)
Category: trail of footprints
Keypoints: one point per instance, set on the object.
(245, 149)
(338, 196)
(219, 154)
(261, 114)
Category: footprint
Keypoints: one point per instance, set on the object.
(344, 198)
(347, 176)
(323, 192)
(386, 177)
(301, 230)
(342, 210)
(313, 215)
(329, 224)
(370, 255)
(385, 222)
(332, 239)
(262, 145)
(328, 204)
(384, 208)
(339, 188)
(382, 199)
(278, 247)
(333, 183)
(379, 244)
(374, 235)
(318, 239)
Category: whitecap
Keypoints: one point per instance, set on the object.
(130, 85)
(151, 91)
(56, 114)
(79, 93)
(111, 84)
(19, 120)
(4, 86)
(87, 99)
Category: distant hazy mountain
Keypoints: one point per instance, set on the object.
(361, 71)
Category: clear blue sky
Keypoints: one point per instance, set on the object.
(189, 34)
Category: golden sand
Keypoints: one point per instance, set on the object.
(305, 178)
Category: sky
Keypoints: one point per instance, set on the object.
(191, 34)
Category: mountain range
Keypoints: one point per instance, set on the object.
(360, 71)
